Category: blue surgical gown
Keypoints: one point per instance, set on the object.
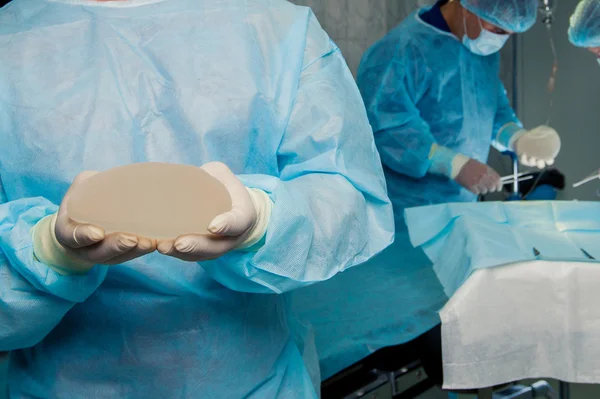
(256, 84)
(421, 86)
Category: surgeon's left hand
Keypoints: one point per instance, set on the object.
(242, 228)
(538, 147)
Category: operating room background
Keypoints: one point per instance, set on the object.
(526, 67)
(355, 24)
(576, 109)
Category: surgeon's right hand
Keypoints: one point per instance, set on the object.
(72, 248)
(469, 173)
(478, 178)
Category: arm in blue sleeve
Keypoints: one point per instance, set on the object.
(331, 209)
(506, 123)
(33, 298)
(391, 83)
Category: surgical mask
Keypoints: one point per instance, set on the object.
(598, 59)
(486, 44)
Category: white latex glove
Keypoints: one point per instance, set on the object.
(241, 228)
(469, 173)
(536, 148)
(72, 248)
(475, 176)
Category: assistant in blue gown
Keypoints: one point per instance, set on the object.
(421, 87)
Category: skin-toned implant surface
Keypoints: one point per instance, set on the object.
(154, 200)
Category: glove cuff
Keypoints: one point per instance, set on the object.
(446, 162)
(263, 206)
(509, 134)
(47, 249)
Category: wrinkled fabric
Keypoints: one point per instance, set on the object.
(510, 15)
(389, 300)
(461, 238)
(422, 87)
(255, 84)
(532, 265)
(549, 325)
(584, 29)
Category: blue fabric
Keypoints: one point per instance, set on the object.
(422, 87)
(255, 84)
(435, 18)
(505, 135)
(390, 300)
(441, 161)
(461, 238)
(510, 15)
(544, 192)
(584, 30)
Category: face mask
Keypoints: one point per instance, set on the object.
(598, 59)
(486, 44)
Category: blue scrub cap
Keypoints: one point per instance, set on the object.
(511, 15)
(585, 24)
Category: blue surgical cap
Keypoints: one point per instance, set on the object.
(511, 15)
(585, 24)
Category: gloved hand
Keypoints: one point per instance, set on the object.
(469, 173)
(239, 229)
(72, 248)
(536, 148)
(478, 178)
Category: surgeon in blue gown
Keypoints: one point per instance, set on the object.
(255, 93)
(584, 29)
(436, 104)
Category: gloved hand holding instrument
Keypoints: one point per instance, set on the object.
(469, 173)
